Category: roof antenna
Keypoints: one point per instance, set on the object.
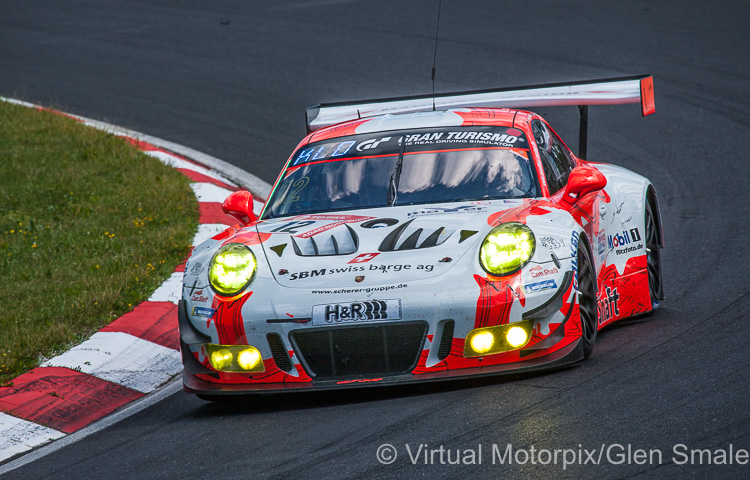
(434, 56)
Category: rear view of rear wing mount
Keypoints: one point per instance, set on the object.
(612, 91)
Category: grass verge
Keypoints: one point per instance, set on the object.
(89, 227)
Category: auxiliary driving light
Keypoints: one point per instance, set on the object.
(482, 342)
(516, 336)
(498, 339)
(248, 358)
(235, 358)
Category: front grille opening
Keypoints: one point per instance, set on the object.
(446, 340)
(278, 350)
(377, 350)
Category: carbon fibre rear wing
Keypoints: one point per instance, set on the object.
(610, 91)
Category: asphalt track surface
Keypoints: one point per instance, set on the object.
(232, 79)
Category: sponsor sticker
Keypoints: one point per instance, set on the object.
(199, 297)
(363, 258)
(356, 312)
(609, 305)
(196, 268)
(444, 210)
(551, 242)
(626, 237)
(203, 312)
(602, 246)
(375, 268)
(538, 271)
(539, 286)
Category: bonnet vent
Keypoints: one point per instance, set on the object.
(410, 237)
(338, 241)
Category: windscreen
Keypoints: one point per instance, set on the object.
(405, 168)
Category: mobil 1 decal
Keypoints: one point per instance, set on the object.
(626, 241)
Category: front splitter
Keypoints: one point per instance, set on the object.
(568, 355)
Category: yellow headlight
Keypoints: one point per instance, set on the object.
(507, 248)
(232, 268)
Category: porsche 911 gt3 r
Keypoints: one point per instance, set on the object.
(424, 238)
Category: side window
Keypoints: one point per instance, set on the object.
(555, 158)
(551, 172)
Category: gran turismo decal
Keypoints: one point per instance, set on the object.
(203, 312)
(337, 313)
(539, 286)
(625, 237)
(463, 137)
(609, 305)
(370, 144)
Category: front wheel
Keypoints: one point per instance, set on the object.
(586, 277)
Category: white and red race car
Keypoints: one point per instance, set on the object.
(424, 238)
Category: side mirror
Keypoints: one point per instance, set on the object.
(240, 206)
(583, 180)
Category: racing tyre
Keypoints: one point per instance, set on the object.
(587, 299)
(653, 258)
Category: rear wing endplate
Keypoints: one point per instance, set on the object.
(612, 91)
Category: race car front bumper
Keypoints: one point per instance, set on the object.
(571, 354)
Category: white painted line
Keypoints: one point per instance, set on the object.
(169, 291)
(123, 359)
(172, 161)
(206, 231)
(208, 192)
(175, 385)
(18, 435)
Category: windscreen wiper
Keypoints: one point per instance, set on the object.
(396, 176)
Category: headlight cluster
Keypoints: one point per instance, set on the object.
(498, 339)
(234, 358)
(507, 248)
(232, 269)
